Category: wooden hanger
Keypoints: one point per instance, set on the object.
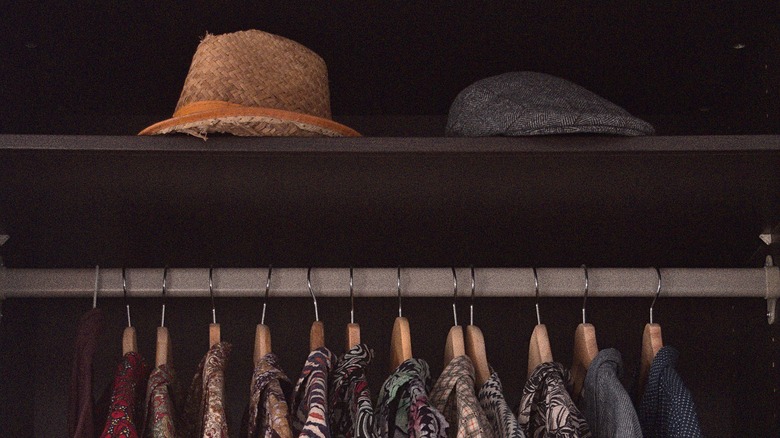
(263, 332)
(317, 332)
(353, 330)
(475, 344)
(163, 350)
(401, 341)
(214, 331)
(539, 350)
(455, 345)
(652, 341)
(129, 338)
(585, 347)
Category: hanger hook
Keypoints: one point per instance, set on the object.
(164, 295)
(657, 292)
(351, 299)
(536, 291)
(473, 289)
(400, 311)
(211, 293)
(97, 286)
(454, 296)
(585, 298)
(308, 281)
(267, 289)
(124, 292)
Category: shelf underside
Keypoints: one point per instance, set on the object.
(228, 202)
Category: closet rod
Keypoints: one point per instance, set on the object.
(381, 282)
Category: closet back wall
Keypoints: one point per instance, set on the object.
(688, 67)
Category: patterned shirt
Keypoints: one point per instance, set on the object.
(126, 397)
(546, 408)
(667, 407)
(81, 422)
(403, 409)
(453, 395)
(160, 413)
(605, 402)
(204, 412)
(497, 411)
(310, 400)
(268, 416)
(351, 411)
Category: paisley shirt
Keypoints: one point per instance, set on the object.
(160, 412)
(351, 411)
(497, 411)
(310, 400)
(268, 415)
(204, 411)
(453, 395)
(546, 408)
(126, 398)
(403, 409)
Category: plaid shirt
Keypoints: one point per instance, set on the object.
(454, 396)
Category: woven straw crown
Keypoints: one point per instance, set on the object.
(254, 83)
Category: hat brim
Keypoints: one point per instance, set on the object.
(251, 122)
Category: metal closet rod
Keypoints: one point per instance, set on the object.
(382, 282)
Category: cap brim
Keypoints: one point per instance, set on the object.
(250, 121)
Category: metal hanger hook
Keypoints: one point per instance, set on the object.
(351, 298)
(211, 293)
(308, 281)
(454, 296)
(536, 289)
(400, 308)
(657, 292)
(124, 292)
(164, 295)
(585, 298)
(97, 286)
(267, 289)
(473, 289)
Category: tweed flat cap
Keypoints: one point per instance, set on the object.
(530, 103)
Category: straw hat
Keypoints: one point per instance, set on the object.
(253, 83)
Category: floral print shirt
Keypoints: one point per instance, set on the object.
(403, 409)
(351, 411)
(204, 411)
(453, 395)
(268, 415)
(546, 408)
(310, 400)
(126, 398)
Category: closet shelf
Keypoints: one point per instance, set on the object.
(688, 201)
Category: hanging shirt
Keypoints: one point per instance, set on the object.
(268, 415)
(453, 395)
(403, 409)
(310, 400)
(497, 411)
(160, 407)
(666, 408)
(546, 408)
(605, 402)
(126, 398)
(204, 411)
(81, 423)
(351, 411)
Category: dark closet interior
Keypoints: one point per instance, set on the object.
(78, 188)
